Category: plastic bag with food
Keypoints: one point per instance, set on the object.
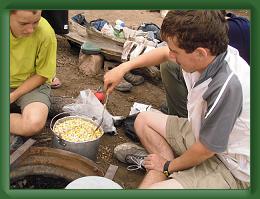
(88, 105)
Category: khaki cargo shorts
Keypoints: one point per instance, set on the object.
(211, 174)
(40, 94)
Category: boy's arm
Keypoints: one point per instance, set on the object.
(30, 84)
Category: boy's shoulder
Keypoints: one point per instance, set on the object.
(44, 29)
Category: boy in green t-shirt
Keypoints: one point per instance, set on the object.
(33, 47)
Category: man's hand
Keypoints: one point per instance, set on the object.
(195, 155)
(154, 162)
(113, 77)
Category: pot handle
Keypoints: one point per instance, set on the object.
(61, 141)
(52, 120)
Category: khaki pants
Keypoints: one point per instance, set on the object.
(211, 174)
(39, 94)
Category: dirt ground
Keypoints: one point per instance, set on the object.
(73, 81)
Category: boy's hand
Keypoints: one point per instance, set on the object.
(12, 97)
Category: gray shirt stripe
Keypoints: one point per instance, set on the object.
(216, 128)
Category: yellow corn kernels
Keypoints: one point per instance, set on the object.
(76, 130)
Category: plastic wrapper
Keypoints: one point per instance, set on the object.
(88, 105)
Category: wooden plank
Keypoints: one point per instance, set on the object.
(93, 33)
(73, 36)
(111, 171)
(21, 150)
(111, 48)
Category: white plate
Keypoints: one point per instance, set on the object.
(93, 182)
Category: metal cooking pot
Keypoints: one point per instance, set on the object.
(88, 149)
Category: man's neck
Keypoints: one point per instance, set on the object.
(205, 64)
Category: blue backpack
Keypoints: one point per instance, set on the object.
(239, 35)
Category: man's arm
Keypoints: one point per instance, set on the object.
(195, 155)
(30, 84)
(151, 58)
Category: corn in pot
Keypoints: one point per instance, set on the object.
(77, 130)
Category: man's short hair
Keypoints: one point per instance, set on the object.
(196, 28)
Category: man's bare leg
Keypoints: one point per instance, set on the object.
(166, 184)
(151, 130)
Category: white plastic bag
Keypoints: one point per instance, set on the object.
(139, 107)
(88, 105)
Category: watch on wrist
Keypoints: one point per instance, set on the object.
(166, 168)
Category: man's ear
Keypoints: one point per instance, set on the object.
(201, 52)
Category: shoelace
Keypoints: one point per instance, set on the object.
(138, 163)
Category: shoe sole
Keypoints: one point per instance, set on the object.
(123, 89)
(131, 79)
(120, 151)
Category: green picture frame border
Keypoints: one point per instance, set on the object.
(7, 5)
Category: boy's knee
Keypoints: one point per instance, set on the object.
(34, 125)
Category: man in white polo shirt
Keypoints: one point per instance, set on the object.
(210, 148)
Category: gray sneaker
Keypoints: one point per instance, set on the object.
(134, 79)
(132, 154)
(124, 86)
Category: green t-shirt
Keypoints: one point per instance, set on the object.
(31, 55)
